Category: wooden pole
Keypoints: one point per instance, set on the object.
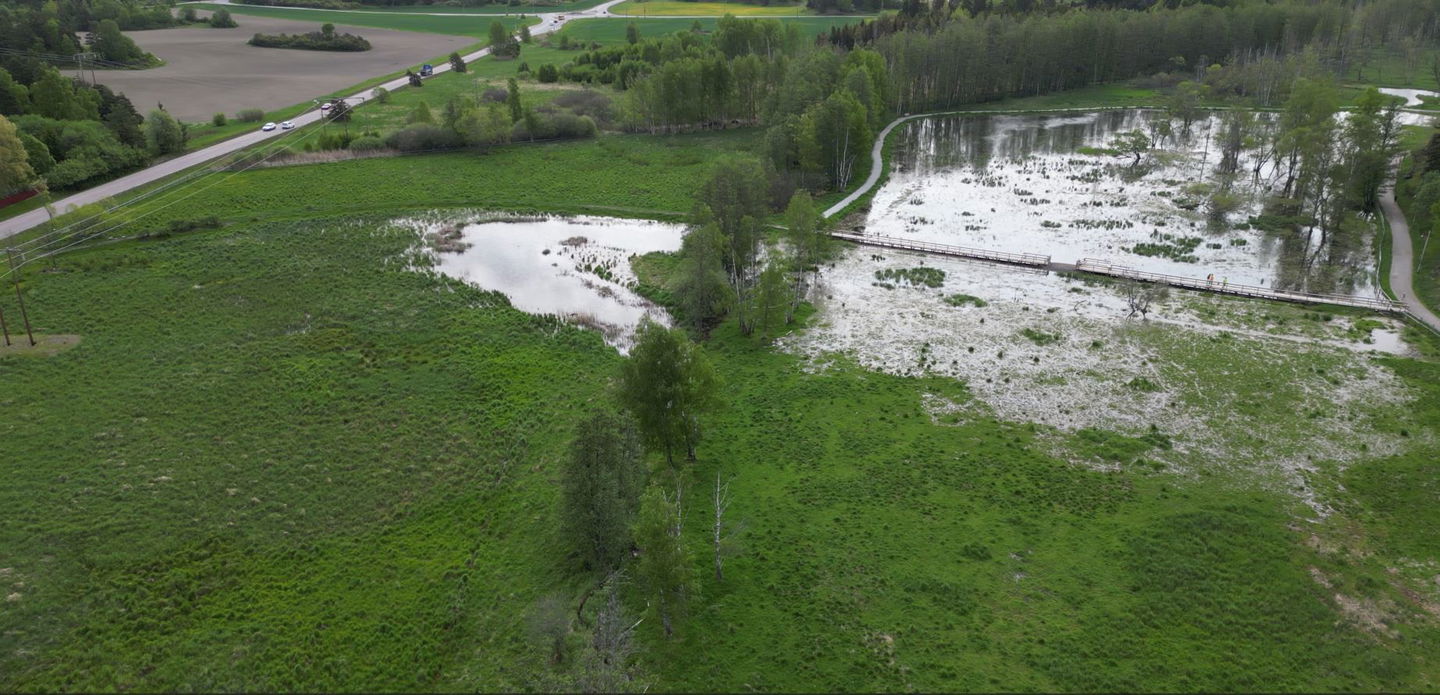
(4, 328)
(20, 297)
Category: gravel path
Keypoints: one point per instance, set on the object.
(1402, 259)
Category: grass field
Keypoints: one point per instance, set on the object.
(478, 27)
(278, 460)
(613, 174)
(646, 8)
(1388, 68)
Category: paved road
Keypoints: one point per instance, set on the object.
(1402, 259)
(549, 22)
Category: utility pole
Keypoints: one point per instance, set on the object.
(19, 297)
(4, 328)
(80, 59)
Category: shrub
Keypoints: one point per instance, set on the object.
(422, 137)
(381, 95)
(208, 222)
(554, 126)
(221, 19)
(548, 73)
(250, 115)
(1040, 337)
(588, 103)
(367, 143)
(496, 94)
(217, 120)
(312, 41)
(963, 299)
(927, 277)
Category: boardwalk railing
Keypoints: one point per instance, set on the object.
(1026, 259)
(1099, 267)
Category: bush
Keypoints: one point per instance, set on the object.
(217, 120)
(250, 115)
(381, 95)
(548, 73)
(554, 126)
(588, 103)
(423, 137)
(312, 41)
(495, 94)
(367, 143)
(221, 19)
(208, 222)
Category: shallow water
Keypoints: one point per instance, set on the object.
(1411, 96)
(1031, 184)
(577, 267)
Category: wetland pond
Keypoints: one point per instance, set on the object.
(574, 267)
(1056, 185)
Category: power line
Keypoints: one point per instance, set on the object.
(26, 245)
(35, 254)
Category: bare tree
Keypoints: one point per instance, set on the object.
(1140, 295)
(605, 665)
(723, 534)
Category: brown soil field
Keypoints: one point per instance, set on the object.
(215, 70)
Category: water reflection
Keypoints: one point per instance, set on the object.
(1057, 185)
(576, 267)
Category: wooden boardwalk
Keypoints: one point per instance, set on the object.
(1100, 267)
(1030, 260)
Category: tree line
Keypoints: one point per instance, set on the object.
(950, 54)
(622, 522)
(821, 107)
(71, 133)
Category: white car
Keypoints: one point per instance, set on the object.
(268, 127)
(287, 125)
(326, 106)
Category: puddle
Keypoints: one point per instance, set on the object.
(575, 267)
(1037, 184)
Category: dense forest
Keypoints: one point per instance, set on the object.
(52, 27)
(950, 55)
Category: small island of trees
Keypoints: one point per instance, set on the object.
(324, 40)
